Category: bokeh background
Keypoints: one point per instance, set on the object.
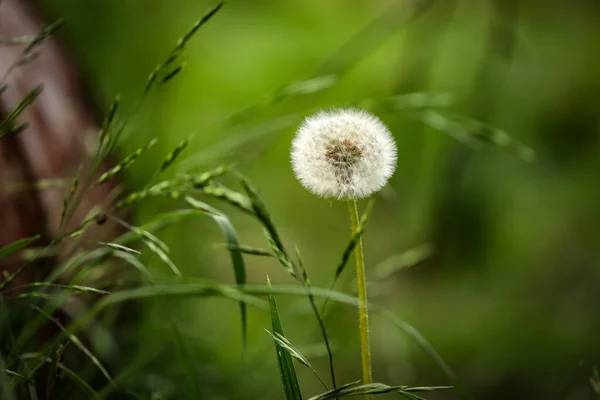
(504, 276)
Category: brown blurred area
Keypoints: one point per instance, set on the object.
(61, 127)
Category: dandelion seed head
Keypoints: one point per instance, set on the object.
(343, 153)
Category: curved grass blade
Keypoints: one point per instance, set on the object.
(237, 260)
(131, 259)
(78, 343)
(474, 133)
(185, 354)
(178, 290)
(15, 246)
(356, 389)
(163, 256)
(406, 259)
(262, 214)
(78, 380)
(75, 288)
(289, 380)
(117, 246)
(294, 352)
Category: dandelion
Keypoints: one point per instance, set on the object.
(346, 154)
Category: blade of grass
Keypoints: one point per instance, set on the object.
(237, 260)
(189, 361)
(68, 197)
(78, 343)
(289, 380)
(406, 259)
(78, 380)
(262, 214)
(15, 246)
(356, 389)
(294, 352)
(7, 122)
(120, 247)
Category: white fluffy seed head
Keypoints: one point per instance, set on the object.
(343, 153)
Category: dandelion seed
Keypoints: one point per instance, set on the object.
(343, 153)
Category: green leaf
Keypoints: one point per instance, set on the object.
(289, 379)
(19, 244)
(237, 260)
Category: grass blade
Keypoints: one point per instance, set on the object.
(120, 247)
(7, 123)
(163, 256)
(294, 352)
(19, 244)
(356, 389)
(262, 214)
(78, 343)
(78, 380)
(69, 196)
(237, 260)
(44, 34)
(187, 358)
(289, 380)
(205, 289)
(406, 259)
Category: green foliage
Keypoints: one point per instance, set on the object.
(15, 246)
(289, 380)
(128, 322)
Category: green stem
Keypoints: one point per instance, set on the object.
(363, 316)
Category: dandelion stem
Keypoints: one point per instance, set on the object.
(363, 320)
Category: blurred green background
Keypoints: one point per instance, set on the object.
(510, 294)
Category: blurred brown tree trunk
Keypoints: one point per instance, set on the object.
(60, 128)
